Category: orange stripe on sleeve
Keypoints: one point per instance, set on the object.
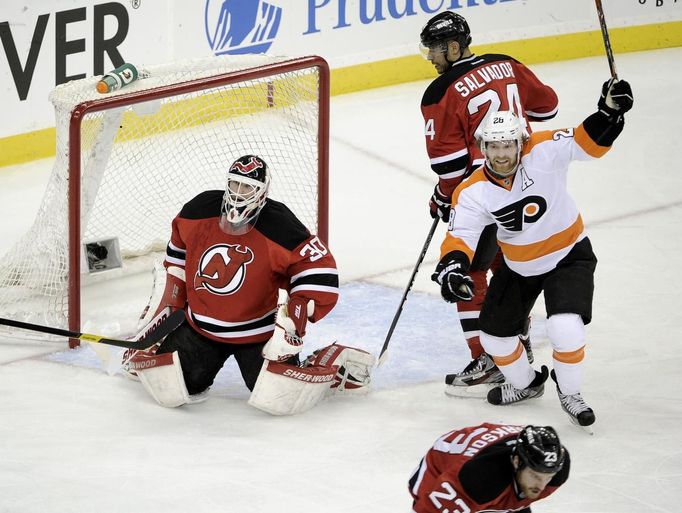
(528, 252)
(476, 176)
(576, 356)
(537, 138)
(508, 360)
(452, 243)
(587, 144)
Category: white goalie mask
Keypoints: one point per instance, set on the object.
(506, 133)
(248, 182)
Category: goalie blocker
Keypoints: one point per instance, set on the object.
(283, 389)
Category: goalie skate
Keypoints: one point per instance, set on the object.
(506, 394)
(479, 371)
(576, 408)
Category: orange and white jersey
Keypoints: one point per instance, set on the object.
(537, 221)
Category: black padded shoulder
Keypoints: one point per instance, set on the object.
(494, 463)
(203, 206)
(496, 57)
(436, 90)
(280, 225)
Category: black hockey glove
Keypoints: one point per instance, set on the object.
(439, 204)
(616, 98)
(455, 284)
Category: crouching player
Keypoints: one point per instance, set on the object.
(229, 254)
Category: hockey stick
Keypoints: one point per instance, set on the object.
(166, 327)
(384, 349)
(113, 359)
(607, 41)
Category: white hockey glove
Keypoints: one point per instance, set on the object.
(287, 340)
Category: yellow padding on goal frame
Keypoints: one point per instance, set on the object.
(41, 143)
(233, 102)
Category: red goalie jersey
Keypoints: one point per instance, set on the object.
(233, 281)
(456, 103)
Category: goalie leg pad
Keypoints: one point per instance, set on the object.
(161, 375)
(283, 389)
(355, 367)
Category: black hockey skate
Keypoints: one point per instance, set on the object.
(479, 371)
(576, 408)
(506, 394)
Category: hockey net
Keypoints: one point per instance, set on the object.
(126, 162)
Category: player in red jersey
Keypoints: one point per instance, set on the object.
(490, 467)
(470, 88)
(229, 254)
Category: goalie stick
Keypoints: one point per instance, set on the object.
(607, 41)
(166, 327)
(384, 350)
(113, 359)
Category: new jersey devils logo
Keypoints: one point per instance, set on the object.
(222, 268)
(246, 168)
(527, 210)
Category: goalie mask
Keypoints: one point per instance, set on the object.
(248, 181)
(502, 138)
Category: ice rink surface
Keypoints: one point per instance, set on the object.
(74, 439)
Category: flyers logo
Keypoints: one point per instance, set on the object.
(222, 268)
(527, 210)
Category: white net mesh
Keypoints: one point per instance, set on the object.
(140, 164)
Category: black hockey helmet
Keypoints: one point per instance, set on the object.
(539, 448)
(443, 27)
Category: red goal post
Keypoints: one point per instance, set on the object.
(220, 113)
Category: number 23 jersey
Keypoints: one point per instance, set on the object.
(470, 470)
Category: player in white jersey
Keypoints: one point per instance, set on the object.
(522, 188)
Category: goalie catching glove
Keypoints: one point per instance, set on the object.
(287, 340)
(354, 367)
(451, 275)
(283, 389)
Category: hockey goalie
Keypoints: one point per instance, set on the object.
(229, 254)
